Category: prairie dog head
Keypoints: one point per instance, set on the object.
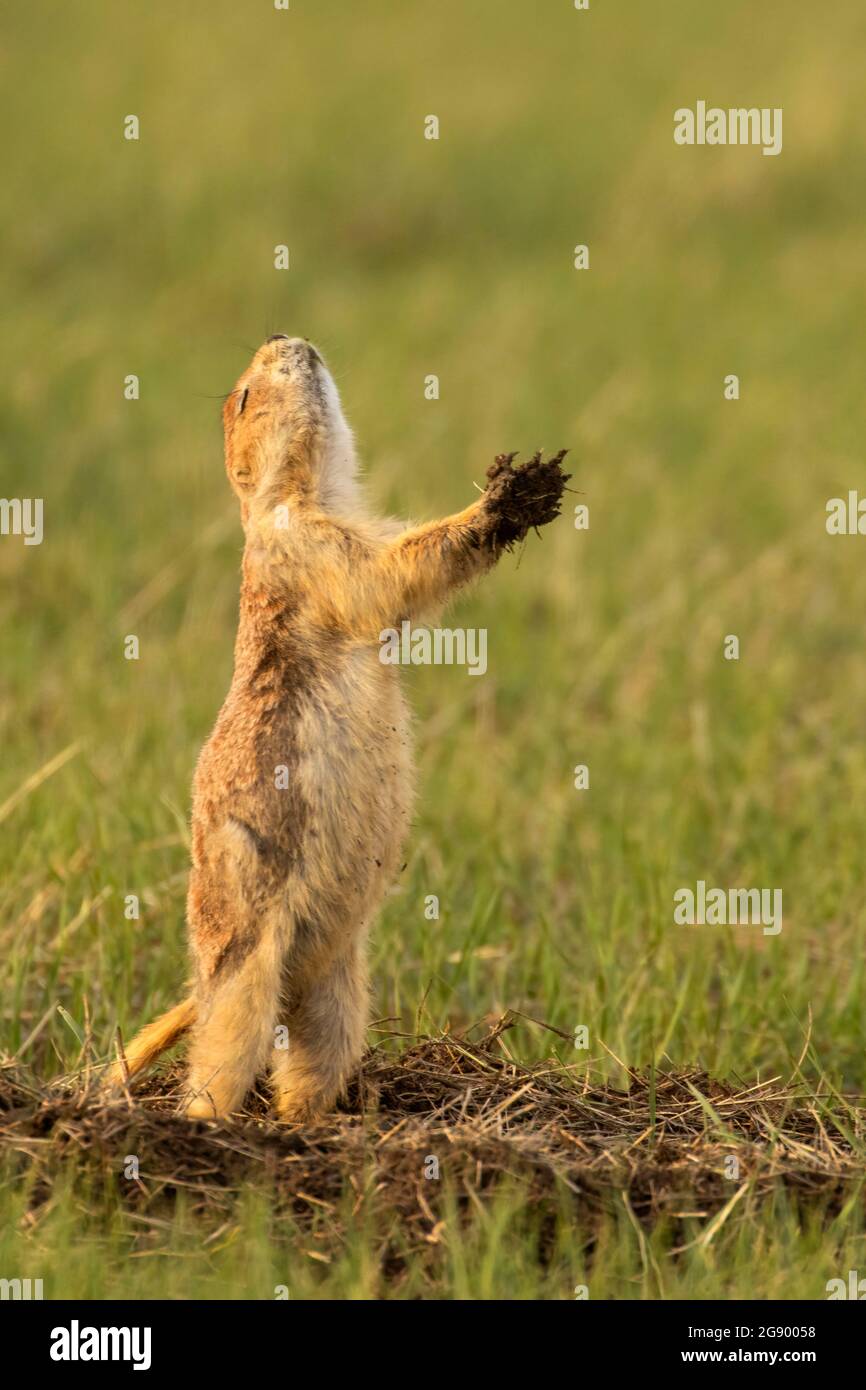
(286, 438)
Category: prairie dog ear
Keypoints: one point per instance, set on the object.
(241, 474)
(242, 400)
(241, 468)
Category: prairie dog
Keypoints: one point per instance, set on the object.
(302, 793)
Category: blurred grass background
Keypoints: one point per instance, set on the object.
(455, 257)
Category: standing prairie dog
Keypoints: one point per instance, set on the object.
(302, 793)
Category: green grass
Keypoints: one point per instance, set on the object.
(86, 1246)
(411, 257)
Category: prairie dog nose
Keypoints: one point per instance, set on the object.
(290, 344)
(297, 347)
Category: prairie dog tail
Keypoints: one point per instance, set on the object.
(152, 1040)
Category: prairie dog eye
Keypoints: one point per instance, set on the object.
(243, 400)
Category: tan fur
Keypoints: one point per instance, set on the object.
(302, 794)
(164, 1032)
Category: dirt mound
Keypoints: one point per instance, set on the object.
(673, 1143)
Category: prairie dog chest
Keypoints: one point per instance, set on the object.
(354, 759)
(353, 732)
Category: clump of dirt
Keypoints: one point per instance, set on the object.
(524, 495)
(678, 1144)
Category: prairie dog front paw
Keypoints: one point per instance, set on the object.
(521, 496)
